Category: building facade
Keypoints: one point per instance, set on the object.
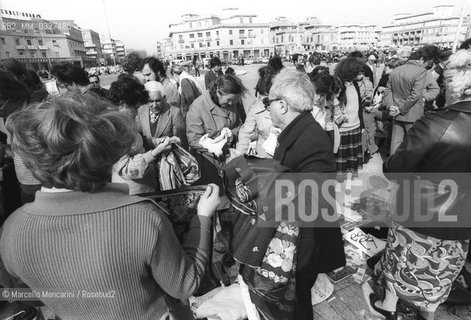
(229, 37)
(438, 27)
(92, 43)
(113, 50)
(319, 36)
(40, 43)
(286, 36)
(357, 36)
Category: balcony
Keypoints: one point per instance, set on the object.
(32, 47)
(42, 47)
(91, 53)
(242, 36)
(207, 39)
(20, 47)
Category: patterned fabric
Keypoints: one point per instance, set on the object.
(272, 285)
(181, 206)
(177, 168)
(420, 269)
(349, 157)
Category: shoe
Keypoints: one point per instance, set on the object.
(389, 315)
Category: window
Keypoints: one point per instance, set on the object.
(21, 54)
(241, 32)
(217, 33)
(217, 43)
(201, 44)
(242, 42)
(208, 34)
(7, 54)
(250, 20)
(241, 20)
(192, 46)
(230, 32)
(28, 42)
(180, 37)
(3, 40)
(200, 34)
(33, 54)
(209, 44)
(40, 42)
(191, 25)
(57, 54)
(192, 35)
(17, 41)
(231, 42)
(54, 43)
(43, 54)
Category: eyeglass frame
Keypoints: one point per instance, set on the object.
(267, 102)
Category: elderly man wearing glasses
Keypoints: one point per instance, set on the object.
(304, 147)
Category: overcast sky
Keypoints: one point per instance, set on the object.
(141, 23)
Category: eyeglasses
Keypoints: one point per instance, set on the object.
(267, 102)
(94, 82)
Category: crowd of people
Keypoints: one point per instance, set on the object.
(76, 162)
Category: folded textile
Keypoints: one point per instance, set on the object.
(215, 145)
(177, 168)
(227, 304)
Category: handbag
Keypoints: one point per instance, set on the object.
(177, 168)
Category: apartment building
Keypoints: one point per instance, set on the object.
(438, 26)
(39, 43)
(228, 36)
(92, 43)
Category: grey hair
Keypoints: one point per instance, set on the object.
(458, 69)
(295, 88)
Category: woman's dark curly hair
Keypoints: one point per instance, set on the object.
(132, 62)
(276, 63)
(128, 90)
(71, 141)
(70, 74)
(264, 82)
(323, 84)
(348, 69)
(19, 71)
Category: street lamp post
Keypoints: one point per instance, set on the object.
(109, 34)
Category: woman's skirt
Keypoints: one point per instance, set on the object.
(420, 269)
(349, 157)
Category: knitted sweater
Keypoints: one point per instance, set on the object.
(108, 242)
